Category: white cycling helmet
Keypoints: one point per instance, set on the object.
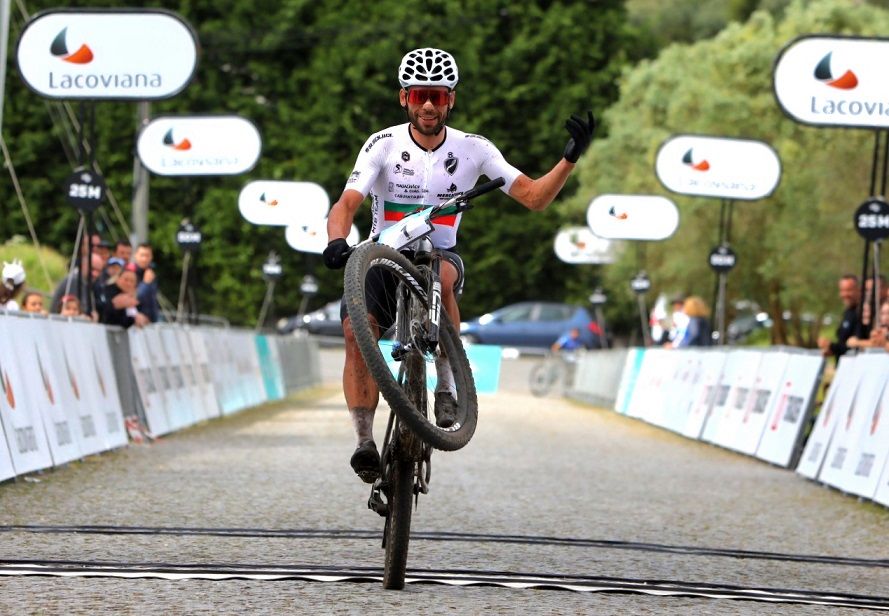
(13, 274)
(428, 67)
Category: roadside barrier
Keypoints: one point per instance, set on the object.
(70, 388)
(755, 401)
(849, 445)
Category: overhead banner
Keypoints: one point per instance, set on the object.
(283, 203)
(578, 246)
(199, 145)
(834, 81)
(312, 236)
(718, 167)
(144, 54)
(632, 217)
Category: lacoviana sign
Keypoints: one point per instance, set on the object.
(199, 145)
(311, 236)
(143, 54)
(718, 167)
(267, 202)
(578, 245)
(834, 81)
(632, 217)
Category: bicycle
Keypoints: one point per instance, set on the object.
(421, 330)
(554, 369)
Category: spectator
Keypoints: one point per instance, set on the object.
(569, 341)
(849, 292)
(103, 249)
(32, 301)
(697, 330)
(13, 279)
(123, 250)
(678, 319)
(122, 304)
(71, 307)
(111, 271)
(76, 283)
(147, 282)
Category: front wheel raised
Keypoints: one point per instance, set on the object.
(378, 281)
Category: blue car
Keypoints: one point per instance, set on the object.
(530, 325)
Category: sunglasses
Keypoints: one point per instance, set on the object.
(419, 96)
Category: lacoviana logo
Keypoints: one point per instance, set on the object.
(183, 145)
(688, 159)
(619, 215)
(59, 48)
(267, 201)
(847, 81)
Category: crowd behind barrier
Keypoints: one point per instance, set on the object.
(759, 402)
(71, 388)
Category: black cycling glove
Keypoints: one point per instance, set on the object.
(581, 135)
(336, 254)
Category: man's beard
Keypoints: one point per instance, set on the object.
(429, 132)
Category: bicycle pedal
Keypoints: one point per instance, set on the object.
(376, 503)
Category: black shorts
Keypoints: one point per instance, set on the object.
(380, 286)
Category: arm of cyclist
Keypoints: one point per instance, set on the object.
(339, 223)
(537, 194)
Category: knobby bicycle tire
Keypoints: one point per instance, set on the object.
(398, 522)
(543, 378)
(364, 259)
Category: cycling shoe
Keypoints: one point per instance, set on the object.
(366, 461)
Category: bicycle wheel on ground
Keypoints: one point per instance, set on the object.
(544, 376)
(375, 275)
(398, 522)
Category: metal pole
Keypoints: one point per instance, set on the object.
(140, 187)
(885, 162)
(266, 302)
(859, 329)
(600, 319)
(720, 314)
(183, 286)
(643, 317)
(4, 45)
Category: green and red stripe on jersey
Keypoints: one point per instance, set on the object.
(393, 212)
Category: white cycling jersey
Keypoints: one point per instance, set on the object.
(402, 176)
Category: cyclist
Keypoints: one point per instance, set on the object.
(417, 164)
(569, 341)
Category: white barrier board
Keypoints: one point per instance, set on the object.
(159, 340)
(766, 388)
(202, 369)
(628, 379)
(108, 395)
(880, 434)
(148, 382)
(689, 372)
(705, 392)
(19, 411)
(837, 404)
(734, 385)
(189, 366)
(850, 458)
(787, 412)
(649, 389)
(48, 391)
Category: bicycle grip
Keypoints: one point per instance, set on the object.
(481, 189)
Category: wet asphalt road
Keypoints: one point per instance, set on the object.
(536, 467)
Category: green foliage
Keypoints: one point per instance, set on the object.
(33, 261)
(317, 78)
(792, 246)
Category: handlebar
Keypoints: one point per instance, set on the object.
(481, 189)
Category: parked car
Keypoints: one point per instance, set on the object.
(323, 322)
(529, 325)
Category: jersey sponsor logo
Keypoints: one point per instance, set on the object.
(452, 188)
(393, 212)
(471, 136)
(354, 177)
(451, 163)
(391, 186)
(399, 170)
(374, 141)
(405, 156)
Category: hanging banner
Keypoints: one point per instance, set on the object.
(47, 389)
(578, 246)
(834, 81)
(718, 167)
(199, 145)
(96, 54)
(283, 203)
(312, 236)
(19, 412)
(632, 217)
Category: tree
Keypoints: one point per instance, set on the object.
(791, 246)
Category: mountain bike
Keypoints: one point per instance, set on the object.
(555, 369)
(404, 254)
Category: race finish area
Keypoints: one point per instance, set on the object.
(547, 496)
